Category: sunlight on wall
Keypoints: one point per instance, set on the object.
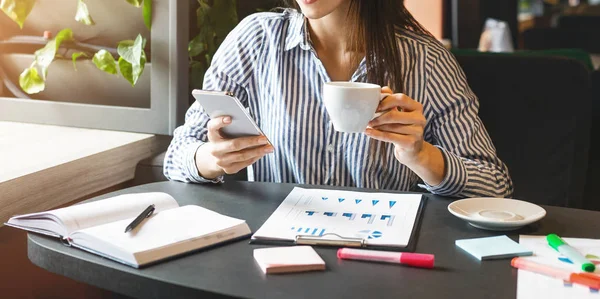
(428, 13)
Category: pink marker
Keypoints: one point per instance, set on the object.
(412, 259)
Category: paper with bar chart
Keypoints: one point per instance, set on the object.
(533, 285)
(381, 219)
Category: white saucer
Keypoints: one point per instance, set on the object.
(496, 213)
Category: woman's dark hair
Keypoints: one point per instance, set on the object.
(373, 28)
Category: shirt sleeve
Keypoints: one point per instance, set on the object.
(180, 159)
(230, 70)
(472, 167)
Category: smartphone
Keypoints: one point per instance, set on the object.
(224, 103)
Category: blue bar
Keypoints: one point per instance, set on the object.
(349, 215)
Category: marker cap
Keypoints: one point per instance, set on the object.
(554, 241)
(418, 260)
(585, 280)
(588, 267)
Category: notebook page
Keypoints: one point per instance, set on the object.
(162, 229)
(86, 215)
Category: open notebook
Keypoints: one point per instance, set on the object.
(99, 226)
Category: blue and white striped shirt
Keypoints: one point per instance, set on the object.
(268, 62)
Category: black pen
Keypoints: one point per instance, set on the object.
(145, 214)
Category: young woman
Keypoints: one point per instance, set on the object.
(276, 64)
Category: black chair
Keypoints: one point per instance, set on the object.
(562, 38)
(579, 22)
(592, 199)
(538, 113)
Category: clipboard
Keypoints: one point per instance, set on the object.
(346, 241)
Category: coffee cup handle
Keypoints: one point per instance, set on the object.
(378, 114)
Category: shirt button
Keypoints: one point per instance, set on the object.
(330, 148)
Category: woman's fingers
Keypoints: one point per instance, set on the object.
(401, 129)
(243, 155)
(399, 100)
(225, 146)
(387, 89)
(406, 142)
(214, 126)
(399, 117)
(236, 167)
(402, 124)
(232, 155)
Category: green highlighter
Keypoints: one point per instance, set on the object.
(575, 256)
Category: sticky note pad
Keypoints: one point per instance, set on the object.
(288, 259)
(493, 248)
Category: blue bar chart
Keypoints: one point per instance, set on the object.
(377, 218)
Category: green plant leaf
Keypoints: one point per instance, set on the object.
(75, 56)
(223, 16)
(30, 80)
(147, 13)
(105, 62)
(45, 55)
(132, 58)
(17, 10)
(196, 46)
(126, 70)
(201, 12)
(136, 3)
(83, 14)
(208, 59)
(215, 19)
(197, 71)
(195, 64)
(131, 72)
(132, 51)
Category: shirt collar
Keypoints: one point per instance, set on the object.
(297, 32)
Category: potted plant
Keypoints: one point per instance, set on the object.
(94, 43)
(45, 72)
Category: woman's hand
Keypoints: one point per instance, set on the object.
(221, 155)
(403, 124)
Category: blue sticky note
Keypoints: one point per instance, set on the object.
(493, 248)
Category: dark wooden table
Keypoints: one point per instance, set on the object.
(230, 271)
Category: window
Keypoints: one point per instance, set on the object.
(88, 97)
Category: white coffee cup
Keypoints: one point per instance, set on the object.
(351, 105)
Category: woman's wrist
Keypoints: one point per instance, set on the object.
(429, 164)
(207, 168)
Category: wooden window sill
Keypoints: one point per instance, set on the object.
(43, 167)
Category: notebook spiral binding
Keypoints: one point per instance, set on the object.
(319, 240)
